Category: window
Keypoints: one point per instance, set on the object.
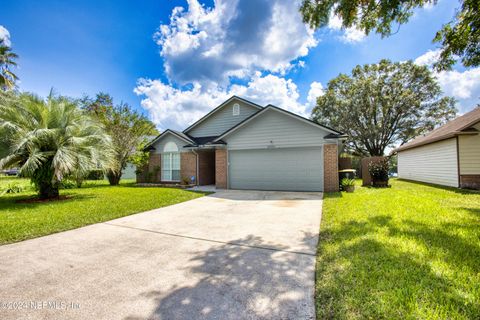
(236, 109)
(170, 162)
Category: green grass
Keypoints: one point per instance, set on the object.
(95, 202)
(411, 251)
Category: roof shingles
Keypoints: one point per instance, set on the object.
(459, 125)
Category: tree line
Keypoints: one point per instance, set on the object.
(60, 138)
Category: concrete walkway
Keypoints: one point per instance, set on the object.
(230, 255)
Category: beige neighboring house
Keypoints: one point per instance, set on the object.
(242, 145)
(449, 155)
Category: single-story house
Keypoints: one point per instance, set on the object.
(449, 155)
(242, 145)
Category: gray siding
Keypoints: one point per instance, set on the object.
(160, 144)
(433, 163)
(288, 169)
(222, 120)
(274, 129)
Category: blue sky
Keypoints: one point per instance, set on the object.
(175, 65)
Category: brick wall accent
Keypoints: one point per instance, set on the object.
(221, 168)
(330, 168)
(188, 166)
(470, 181)
(344, 163)
(206, 163)
(152, 170)
(142, 174)
(155, 167)
(366, 178)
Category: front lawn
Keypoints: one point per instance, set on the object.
(95, 202)
(407, 252)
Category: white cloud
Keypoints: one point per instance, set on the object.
(209, 45)
(461, 85)
(176, 108)
(464, 86)
(428, 58)
(350, 35)
(316, 90)
(5, 36)
(203, 48)
(353, 35)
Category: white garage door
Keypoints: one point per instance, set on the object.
(289, 169)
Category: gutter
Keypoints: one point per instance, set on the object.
(437, 139)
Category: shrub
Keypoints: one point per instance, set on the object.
(95, 175)
(347, 182)
(68, 184)
(348, 185)
(12, 188)
(379, 171)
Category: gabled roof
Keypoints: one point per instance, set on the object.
(333, 134)
(459, 126)
(178, 134)
(204, 141)
(205, 117)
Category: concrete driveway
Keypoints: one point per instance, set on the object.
(230, 255)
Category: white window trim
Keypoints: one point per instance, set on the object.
(170, 158)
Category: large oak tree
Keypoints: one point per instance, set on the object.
(384, 104)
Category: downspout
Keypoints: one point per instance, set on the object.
(458, 164)
(197, 178)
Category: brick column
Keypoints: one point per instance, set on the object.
(221, 168)
(330, 168)
(188, 166)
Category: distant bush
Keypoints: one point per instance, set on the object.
(68, 184)
(95, 175)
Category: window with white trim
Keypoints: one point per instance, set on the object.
(236, 109)
(170, 162)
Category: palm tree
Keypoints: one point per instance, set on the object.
(50, 139)
(7, 57)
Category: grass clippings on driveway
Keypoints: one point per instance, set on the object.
(93, 203)
(411, 251)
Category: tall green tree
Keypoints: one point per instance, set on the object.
(459, 37)
(384, 104)
(127, 128)
(7, 61)
(50, 139)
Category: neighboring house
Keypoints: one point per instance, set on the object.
(129, 172)
(449, 155)
(241, 145)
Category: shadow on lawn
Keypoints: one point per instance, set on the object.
(365, 277)
(437, 186)
(15, 202)
(474, 211)
(241, 282)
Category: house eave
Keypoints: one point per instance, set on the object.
(438, 139)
